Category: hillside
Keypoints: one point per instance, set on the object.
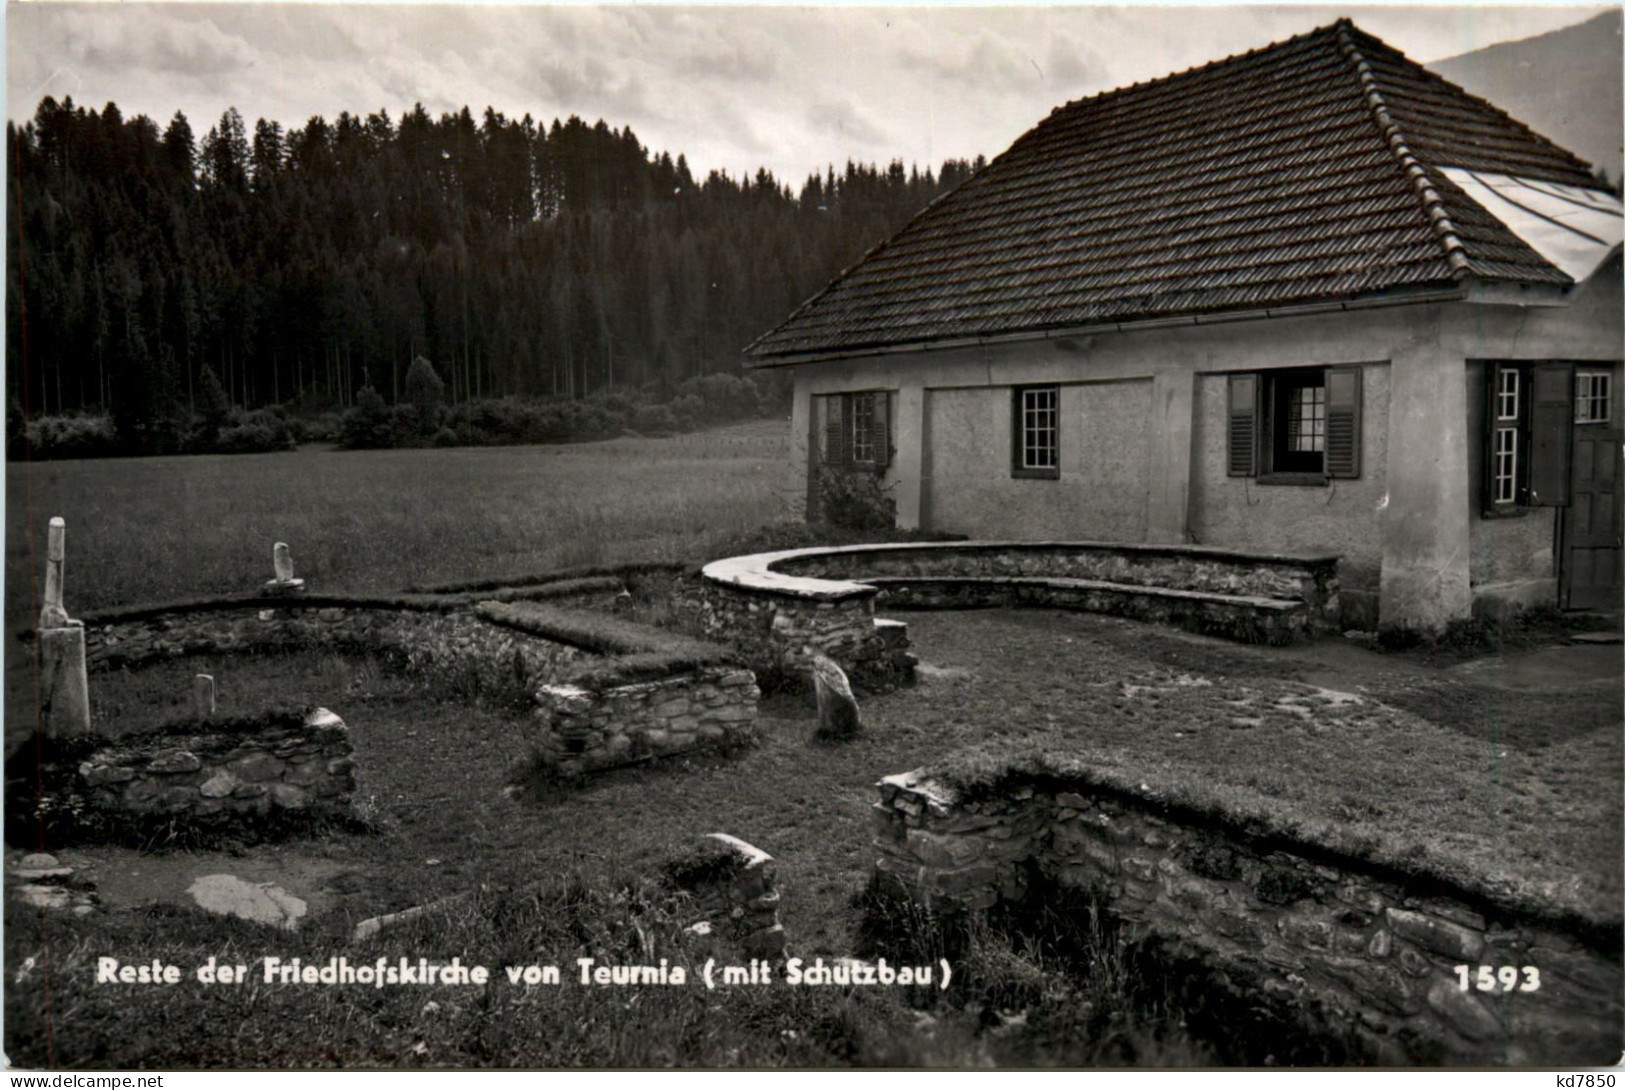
(1566, 85)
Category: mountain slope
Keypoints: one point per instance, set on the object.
(1566, 85)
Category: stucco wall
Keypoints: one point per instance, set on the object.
(1411, 533)
(1343, 516)
(1100, 494)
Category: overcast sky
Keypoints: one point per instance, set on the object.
(791, 88)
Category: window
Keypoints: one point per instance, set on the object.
(1508, 427)
(1036, 432)
(855, 429)
(1593, 394)
(1530, 410)
(1298, 426)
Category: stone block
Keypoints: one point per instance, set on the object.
(257, 767)
(219, 785)
(1462, 1011)
(1438, 936)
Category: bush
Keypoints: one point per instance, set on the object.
(369, 424)
(73, 437)
(255, 433)
(654, 420)
(855, 499)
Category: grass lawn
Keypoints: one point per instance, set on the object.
(161, 529)
(1518, 791)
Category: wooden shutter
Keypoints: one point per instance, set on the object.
(1551, 433)
(880, 424)
(834, 430)
(1343, 395)
(1243, 417)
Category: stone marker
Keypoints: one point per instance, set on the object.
(203, 696)
(52, 615)
(837, 707)
(282, 565)
(64, 708)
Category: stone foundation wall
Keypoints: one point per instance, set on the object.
(1367, 957)
(1311, 580)
(736, 897)
(771, 630)
(225, 776)
(582, 725)
(429, 640)
(583, 730)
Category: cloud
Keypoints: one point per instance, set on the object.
(789, 88)
(847, 119)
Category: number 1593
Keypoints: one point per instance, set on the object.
(1507, 978)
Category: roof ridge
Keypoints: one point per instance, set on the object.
(1197, 69)
(1477, 100)
(1432, 204)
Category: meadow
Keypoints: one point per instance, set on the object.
(160, 529)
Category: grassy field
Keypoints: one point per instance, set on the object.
(158, 529)
(1517, 790)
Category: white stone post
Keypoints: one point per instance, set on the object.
(64, 708)
(282, 566)
(203, 696)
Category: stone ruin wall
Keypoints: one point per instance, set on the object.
(771, 630)
(303, 767)
(575, 729)
(1311, 581)
(1372, 957)
(582, 730)
(430, 641)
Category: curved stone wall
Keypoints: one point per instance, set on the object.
(772, 605)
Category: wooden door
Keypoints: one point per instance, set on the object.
(1590, 574)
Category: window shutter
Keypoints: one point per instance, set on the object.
(834, 430)
(1551, 433)
(1243, 425)
(1343, 396)
(881, 424)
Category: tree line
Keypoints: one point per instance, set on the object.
(297, 267)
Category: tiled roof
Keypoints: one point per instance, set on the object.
(1303, 172)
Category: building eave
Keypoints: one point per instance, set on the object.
(1464, 292)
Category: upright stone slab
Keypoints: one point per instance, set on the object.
(282, 566)
(64, 708)
(837, 707)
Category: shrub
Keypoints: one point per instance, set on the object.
(445, 437)
(369, 424)
(855, 499)
(654, 420)
(73, 437)
(255, 433)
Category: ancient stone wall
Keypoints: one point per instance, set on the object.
(429, 640)
(1309, 579)
(584, 722)
(581, 729)
(210, 776)
(1366, 955)
(772, 632)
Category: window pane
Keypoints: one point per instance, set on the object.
(1306, 420)
(1592, 394)
(863, 420)
(1506, 396)
(1506, 465)
(1039, 429)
